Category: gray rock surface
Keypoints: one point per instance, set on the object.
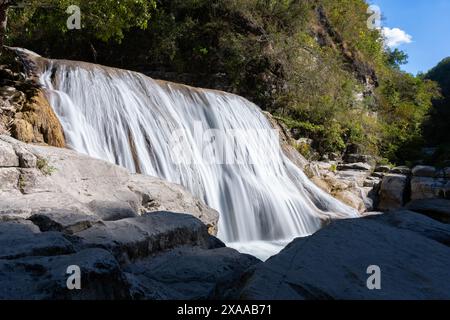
(133, 238)
(59, 208)
(22, 238)
(429, 188)
(401, 170)
(359, 166)
(392, 192)
(411, 250)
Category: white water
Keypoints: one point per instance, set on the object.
(129, 119)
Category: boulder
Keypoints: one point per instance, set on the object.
(424, 171)
(133, 238)
(401, 170)
(53, 179)
(9, 180)
(22, 238)
(321, 183)
(45, 278)
(354, 158)
(392, 192)
(8, 157)
(410, 249)
(359, 166)
(438, 209)
(429, 188)
(189, 273)
(382, 168)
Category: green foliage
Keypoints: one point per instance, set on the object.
(102, 19)
(43, 165)
(313, 63)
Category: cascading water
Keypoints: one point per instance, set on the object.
(178, 133)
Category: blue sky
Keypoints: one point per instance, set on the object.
(428, 24)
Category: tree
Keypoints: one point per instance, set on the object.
(102, 19)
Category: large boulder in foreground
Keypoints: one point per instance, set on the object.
(411, 250)
(71, 191)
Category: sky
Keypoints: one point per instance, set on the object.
(421, 28)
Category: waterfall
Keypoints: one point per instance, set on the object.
(218, 145)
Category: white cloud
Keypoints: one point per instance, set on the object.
(395, 37)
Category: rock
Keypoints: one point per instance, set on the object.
(287, 141)
(382, 168)
(371, 182)
(351, 199)
(333, 263)
(38, 123)
(63, 220)
(424, 171)
(189, 273)
(429, 188)
(8, 157)
(392, 191)
(358, 158)
(360, 166)
(66, 181)
(23, 238)
(401, 170)
(378, 175)
(45, 278)
(438, 209)
(447, 172)
(139, 237)
(9, 179)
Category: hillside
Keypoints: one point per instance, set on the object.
(313, 63)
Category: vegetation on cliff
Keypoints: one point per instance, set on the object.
(313, 63)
